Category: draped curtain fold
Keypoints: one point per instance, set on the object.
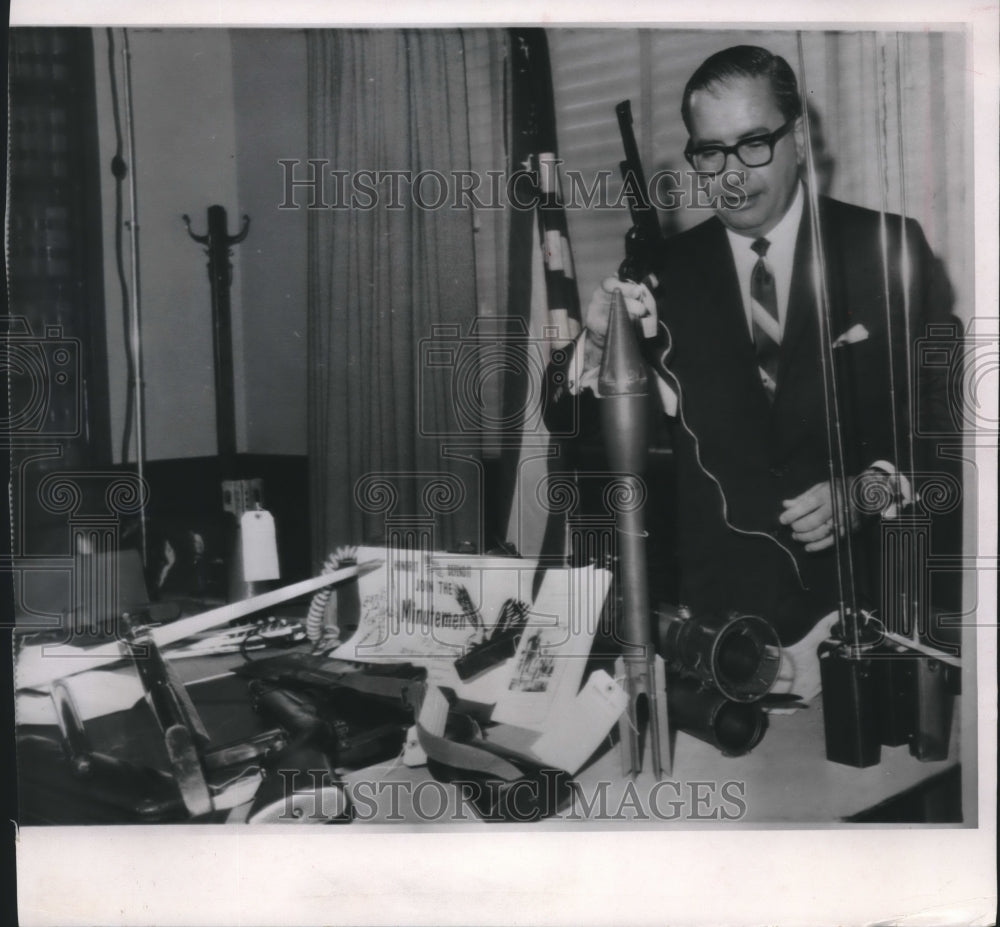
(386, 287)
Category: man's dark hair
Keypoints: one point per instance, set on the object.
(742, 61)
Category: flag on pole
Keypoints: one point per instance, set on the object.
(543, 295)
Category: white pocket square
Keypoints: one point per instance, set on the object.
(853, 335)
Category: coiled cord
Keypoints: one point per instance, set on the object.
(318, 632)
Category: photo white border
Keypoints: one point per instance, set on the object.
(191, 875)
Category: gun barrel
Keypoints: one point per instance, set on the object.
(632, 160)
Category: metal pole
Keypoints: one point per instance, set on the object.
(135, 333)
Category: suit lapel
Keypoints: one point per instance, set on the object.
(723, 279)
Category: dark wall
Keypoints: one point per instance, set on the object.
(187, 494)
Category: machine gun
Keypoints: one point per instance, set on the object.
(644, 239)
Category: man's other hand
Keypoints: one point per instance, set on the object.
(639, 303)
(810, 515)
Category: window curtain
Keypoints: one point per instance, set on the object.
(392, 296)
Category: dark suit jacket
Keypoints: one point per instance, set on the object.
(737, 456)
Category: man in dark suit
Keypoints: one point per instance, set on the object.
(736, 335)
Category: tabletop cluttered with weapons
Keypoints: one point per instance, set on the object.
(239, 715)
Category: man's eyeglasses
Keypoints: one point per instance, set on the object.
(756, 151)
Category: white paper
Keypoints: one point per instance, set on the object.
(260, 547)
(583, 725)
(552, 654)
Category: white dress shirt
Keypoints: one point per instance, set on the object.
(780, 257)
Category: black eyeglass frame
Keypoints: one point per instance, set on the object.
(771, 138)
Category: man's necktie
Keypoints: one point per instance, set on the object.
(764, 313)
